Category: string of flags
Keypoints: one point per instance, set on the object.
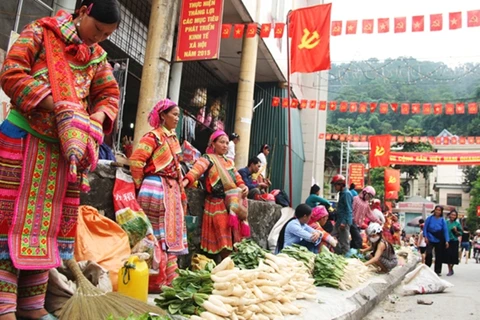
(405, 108)
(453, 140)
(368, 26)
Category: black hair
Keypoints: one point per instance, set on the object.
(352, 186)
(169, 109)
(265, 146)
(301, 211)
(104, 11)
(234, 136)
(314, 189)
(453, 211)
(421, 221)
(253, 160)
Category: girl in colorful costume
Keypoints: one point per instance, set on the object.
(156, 171)
(317, 220)
(226, 207)
(63, 97)
(383, 254)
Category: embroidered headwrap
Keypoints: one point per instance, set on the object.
(154, 118)
(213, 137)
(318, 213)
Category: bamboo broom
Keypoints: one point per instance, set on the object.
(91, 303)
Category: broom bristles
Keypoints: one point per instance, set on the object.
(91, 303)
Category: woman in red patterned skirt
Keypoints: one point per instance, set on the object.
(225, 215)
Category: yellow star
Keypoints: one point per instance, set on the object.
(350, 28)
(453, 22)
(266, 28)
(382, 26)
(416, 25)
(238, 31)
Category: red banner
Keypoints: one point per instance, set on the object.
(433, 159)
(379, 151)
(392, 180)
(199, 30)
(356, 175)
(478, 211)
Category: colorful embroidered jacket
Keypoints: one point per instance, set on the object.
(156, 154)
(24, 76)
(213, 182)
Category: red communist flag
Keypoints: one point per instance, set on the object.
(294, 103)
(373, 107)
(401, 139)
(405, 108)
(415, 139)
(400, 25)
(394, 106)
(472, 108)
(473, 18)
(321, 136)
(460, 108)
(436, 22)
(408, 139)
(471, 140)
(303, 103)
(238, 31)
(285, 103)
(322, 106)
(391, 195)
(310, 30)
(462, 140)
(363, 107)
(313, 104)
(336, 28)
(427, 108)
(351, 27)
(251, 30)
(415, 108)
(383, 25)
(449, 108)
(455, 20)
(226, 29)
(266, 29)
(437, 108)
(367, 26)
(328, 136)
(333, 105)
(279, 29)
(383, 108)
(343, 106)
(418, 24)
(275, 101)
(353, 107)
(392, 180)
(379, 151)
(454, 140)
(363, 138)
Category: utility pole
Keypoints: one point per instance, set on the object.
(156, 67)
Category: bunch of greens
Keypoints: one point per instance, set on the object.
(248, 254)
(145, 316)
(301, 253)
(329, 269)
(188, 292)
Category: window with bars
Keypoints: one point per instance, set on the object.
(454, 199)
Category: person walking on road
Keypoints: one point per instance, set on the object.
(344, 215)
(465, 245)
(436, 235)
(454, 233)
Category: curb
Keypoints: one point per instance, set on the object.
(369, 297)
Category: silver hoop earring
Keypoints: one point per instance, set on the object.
(78, 23)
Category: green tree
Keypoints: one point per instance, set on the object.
(472, 219)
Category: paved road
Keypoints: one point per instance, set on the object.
(459, 302)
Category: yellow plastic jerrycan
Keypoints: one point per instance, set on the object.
(133, 279)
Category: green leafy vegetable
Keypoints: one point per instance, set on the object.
(329, 269)
(248, 254)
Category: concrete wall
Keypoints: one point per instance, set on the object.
(443, 192)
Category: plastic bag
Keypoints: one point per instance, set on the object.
(158, 277)
(199, 261)
(101, 240)
(128, 213)
(423, 280)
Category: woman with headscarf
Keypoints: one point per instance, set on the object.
(226, 207)
(317, 220)
(156, 171)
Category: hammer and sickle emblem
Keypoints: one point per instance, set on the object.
(392, 180)
(436, 23)
(308, 39)
(400, 25)
(379, 151)
(474, 19)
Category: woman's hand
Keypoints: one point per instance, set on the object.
(447, 245)
(98, 116)
(315, 236)
(185, 182)
(47, 104)
(244, 191)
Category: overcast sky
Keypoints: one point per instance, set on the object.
(450, 46)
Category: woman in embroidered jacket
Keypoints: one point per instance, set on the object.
(56, 64)
(156, 171)
(225, 214)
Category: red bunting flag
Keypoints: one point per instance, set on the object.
(473, 18)
(353, 107)
(427, 108)
(294, 103)
(285, 103)
(351, 27)
(460, 108)
(462, 140)
(356, 138)
(418, 24)
(373, 107)
(310, 53)
(394, 106)
(363, 138)
(400, 24)
(226, 29)
(238, 31)
(279, 29)
(455, 20)
(383, 25)
(393, 139)
(251, 30)
(405, 109)
(323, 105)
(313, 104)
(321, 136)
(367, 26)
(436, 22)
(379, 151)
(336, 28)
(266, 29)
(471, 140)
(328, 136)
(408, 139)
(477, 140)
(401, 139)
(454, 140)
(333, 105)
(275, 101)
(303, 104)
(383, 108)
(343, 106)
(438, 140)
(343, 137)
(349, 137)
(335, 136)
(446, 141)
(437, 108)
(415, 108)
(449, 108)
(431, 140)
(472, 108)
(363, 107)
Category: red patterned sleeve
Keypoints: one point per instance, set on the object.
(16, 80)
(140, 156)
(199, 168)
(104, 94)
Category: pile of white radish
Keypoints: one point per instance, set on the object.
(266, 292)
(355, 274)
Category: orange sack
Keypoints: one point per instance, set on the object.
(101, 240)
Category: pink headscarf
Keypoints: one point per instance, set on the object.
(214, 136)
(318, 213)
(154, 117)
